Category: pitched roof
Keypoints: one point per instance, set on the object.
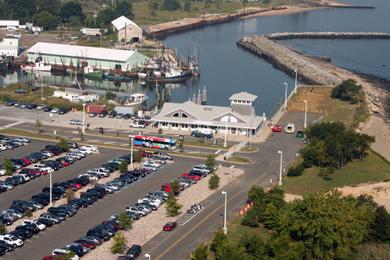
(81, 51)
(122, 21)
(243, 96)
(203, 113)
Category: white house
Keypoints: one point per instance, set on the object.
(9, 47)
(90, 31)
(9, 23)
(127, 30)
(73, 96)
(238, 119)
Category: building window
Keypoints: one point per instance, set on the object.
(174, 125)
(164, 124)
(176, 114)
(184, 115)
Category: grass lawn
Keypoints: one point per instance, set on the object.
(374, 251)
(239, 159)
(371, 169)
(236, 230)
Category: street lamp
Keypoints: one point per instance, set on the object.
(226, 129)
(305, 121)
(83, 129)
(51, 189)
(296, 81)
(131, 150)
(285, 96)
(224, 214)
(147, 256)
(280, 167)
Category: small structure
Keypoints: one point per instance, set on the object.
(240, 118)
(9, 23)
(101, 58)
(9, 47)
(91, 32)
(127, 30)
(74, 96)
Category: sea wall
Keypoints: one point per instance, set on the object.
(327, 35)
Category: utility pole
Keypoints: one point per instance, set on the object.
(280, 167)
(285, 96)
(296, 81)
(305, 120)
(224, 214)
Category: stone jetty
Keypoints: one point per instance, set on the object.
(327, 35)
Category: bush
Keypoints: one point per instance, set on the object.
(3, 228)
(123, 167)
(213, 182)
(69, 195)
(125, 221)
(64, 144)
(8, 166)
(250, 219)
(210, 161)
(349, 91)
(137, 156)
(200, 252)
(381, 226)
(296, 171)
(172, 207)
(119, 245)
(219, 239)
(29, 213)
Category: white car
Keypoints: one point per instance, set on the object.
(93, 148)
(150, 201)
(82, 151)
(45, 169)
(202, 168)
(3, 147)
(22, 140)
(100, 172)
(11, 240)
(25, 177)
(47, 153)
(2, 172)
(63, 252)
(55, 110)
(12, 213)
(153, 164)
(40, 226)
(117, 161)
(136, 210)
(90, 177)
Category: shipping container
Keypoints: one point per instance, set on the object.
(95, 108)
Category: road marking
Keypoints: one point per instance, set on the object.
(12, 124)
(203, 220)
(217, 152)
(110, 143)
(231, 167)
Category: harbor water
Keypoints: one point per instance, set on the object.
(227, 69)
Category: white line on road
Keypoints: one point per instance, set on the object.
(12, 124)
(217, 152)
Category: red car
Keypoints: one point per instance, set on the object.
(26, 161)
(64, 163)
(75, 186)
(277, 128)
(36, 172)
(191, 177)
(53, 257)
(170, 226)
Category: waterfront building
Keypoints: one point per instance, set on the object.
(75, 96)
(101, 58)
(9, 23)
(239, 118)
(9, 47)
(127, 30)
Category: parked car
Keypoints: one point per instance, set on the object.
(169, 226)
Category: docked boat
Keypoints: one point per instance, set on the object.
(171, 76)
(136, 99)
(92, 74)
(38, 66)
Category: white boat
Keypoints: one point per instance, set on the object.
(136, 99)
(141, 75)
(38, 66)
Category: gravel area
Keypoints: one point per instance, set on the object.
(149, 226)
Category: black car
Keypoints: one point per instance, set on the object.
(78, 249)
(83, 181)
(47, 109)
(3, 250)
(100, 233)
(126, 116)
(80, 202)
(45, 221)
(103, 114)
(31, 228)
(8, 247)
(40, 200)
(63, 111)
(112, 114)
(134, 251)
(10, 103)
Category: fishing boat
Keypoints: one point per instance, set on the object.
(92, 74)
(38, 66)
(171, 76)
(136, 99)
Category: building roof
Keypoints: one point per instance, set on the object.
(243, 96)
(122, 21)
(9, 22)
(204, 114)
(81, 51)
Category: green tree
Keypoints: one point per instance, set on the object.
(219, 239)
(110, 95)
(47, 20)
(380, 230)
(200, 252)
(18, 10)
(250, 219)
(125, 221)
(9, 167)
(213, 182)
(348, 90)
(137, 155)
(187, 6)
(253, 245)
(51, 6)
(119, 245)
(271, 216)
(124, 7)
(70, 9)
(210, 161)
(123, 167)
(172, 207)
(69, 195)
(295, 170)
(63, 143)
(38, 126)
(229, 251)
(69, 256)
(175, 187)
(171, 5)
(29, 213)
(3, 228)
(153, 7)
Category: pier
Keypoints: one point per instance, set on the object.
(328, 35)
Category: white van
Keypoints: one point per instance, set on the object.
(290, 128)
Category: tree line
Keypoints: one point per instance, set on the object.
(316, 227)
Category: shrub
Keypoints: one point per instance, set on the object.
(296, 171)
(3, 228)
(210, 161)
(219, 239)
(119, 245)
(125, 221)
(200, 252)
(172, 207)
(214, 182)
(69, 195)
(29, 213)
(250, 219)
(123, 167)
(64, 144)
(349, 91)
(8, 166)
(137, 156)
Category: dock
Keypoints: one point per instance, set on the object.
(328, 35)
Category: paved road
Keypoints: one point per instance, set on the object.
(25, 191)
(181, 242)
(77, 226)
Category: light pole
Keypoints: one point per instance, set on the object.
(280, 167)
(131, 150)
(225, 142)
(147, 256)
(83, 129)
(296, 81)
(224, 214)
(51, 188)
(305, 121)
(285, 96)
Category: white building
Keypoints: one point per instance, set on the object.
(74, 96)
(127, 30)
(240, 118)
(9, 23)
(91, 31)
(101, 58)
(9, 47)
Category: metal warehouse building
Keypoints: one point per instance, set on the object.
(102, 58)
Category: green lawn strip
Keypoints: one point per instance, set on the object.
(248, 149)
(238, 159)
(236, 230)
(373, 168)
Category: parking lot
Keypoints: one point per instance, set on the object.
(71, 229)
